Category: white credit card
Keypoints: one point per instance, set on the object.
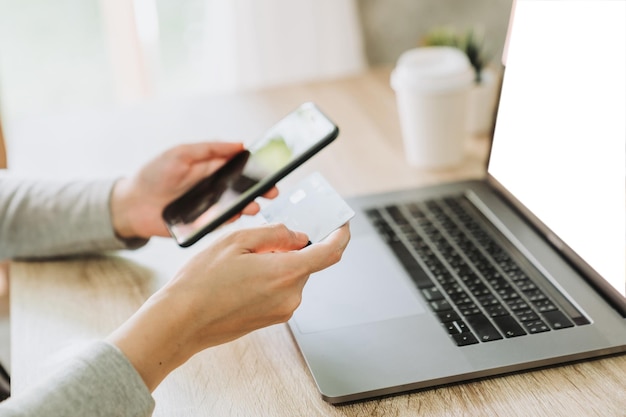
(312, 207)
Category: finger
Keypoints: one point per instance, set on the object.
(251, 209)
(207, 157)
(323, 254)
(204, 151)
(203, 169)
(235, 217)
(271, 193)
(272, 238)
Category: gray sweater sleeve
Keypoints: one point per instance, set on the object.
(46, 219)
(98, 382)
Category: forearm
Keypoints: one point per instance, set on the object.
(44, 219)
(97, 382)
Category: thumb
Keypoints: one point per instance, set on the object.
(203, 159)
(272, 238)
(205, 151)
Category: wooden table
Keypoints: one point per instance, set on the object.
(58, 305)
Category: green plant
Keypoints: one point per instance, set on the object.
(469, 42)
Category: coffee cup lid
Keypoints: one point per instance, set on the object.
(432, 68)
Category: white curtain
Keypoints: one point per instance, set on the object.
(257, 43)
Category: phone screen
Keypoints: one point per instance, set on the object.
(217, 198)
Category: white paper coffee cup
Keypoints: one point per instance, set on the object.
(432, 87)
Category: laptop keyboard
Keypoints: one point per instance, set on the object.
(476, 288)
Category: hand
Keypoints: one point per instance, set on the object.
(243, 281)
(138, 202)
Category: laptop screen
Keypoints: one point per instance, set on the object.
(559, 139)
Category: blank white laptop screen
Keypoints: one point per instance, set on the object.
(559, 143)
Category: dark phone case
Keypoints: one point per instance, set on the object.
(259, 189)
(205, 193)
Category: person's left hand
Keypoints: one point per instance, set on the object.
(137, 203)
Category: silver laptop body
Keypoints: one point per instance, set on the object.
(404, 309)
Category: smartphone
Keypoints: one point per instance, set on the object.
(249, 174)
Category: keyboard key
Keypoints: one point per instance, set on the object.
(508, 295)
(580, 320)
(469, 309)
(544, 306)
(479, 289)
(536, 326)
(397, 215)
(485, 331)
(451, 328)
(526, 315)
(557, 320)
(496, 310)
(526, 285)
(460, 324)
(443, 277)
(509, 326)
(460, 298)
(446, 316)
(440, 305)
(432, 293)
(535, 295)
(517, 304)
(464, 339)
(455, 327)
(487, 300)
(453, 288)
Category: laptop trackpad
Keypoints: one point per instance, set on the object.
(367, 285)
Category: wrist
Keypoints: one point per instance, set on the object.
(152, 340)
(121, 206)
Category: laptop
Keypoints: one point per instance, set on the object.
(520, 270)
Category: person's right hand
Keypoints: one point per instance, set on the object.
(243, 281)
(137, 202)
